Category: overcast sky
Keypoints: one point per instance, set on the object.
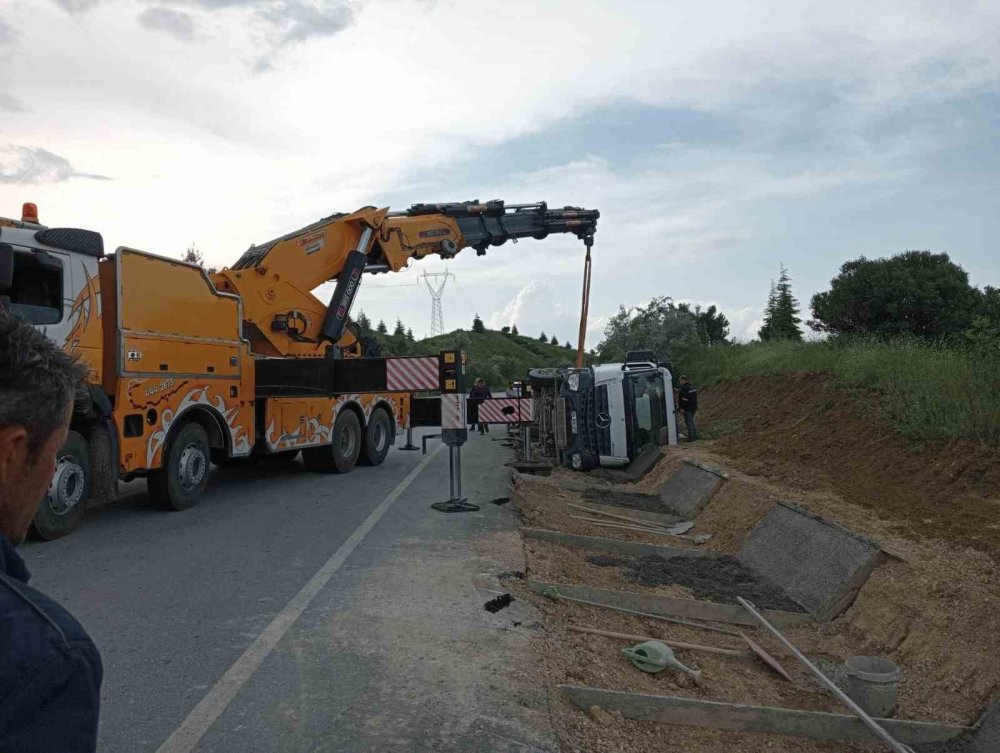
(718, 139)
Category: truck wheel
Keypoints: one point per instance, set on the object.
(61, 508)
(341, 455)
(377, 436)
(179, 483)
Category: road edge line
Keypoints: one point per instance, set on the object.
(200, 719)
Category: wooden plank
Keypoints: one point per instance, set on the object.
(816, 725)
(670, 606)
(599, 543)
(673, 644)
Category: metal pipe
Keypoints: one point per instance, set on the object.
(455, 464)
(526, 443)
(827, 682)
(375, 268)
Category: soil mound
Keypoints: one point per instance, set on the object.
(806, 431)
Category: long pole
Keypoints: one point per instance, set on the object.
(830, 685)
(585, 306)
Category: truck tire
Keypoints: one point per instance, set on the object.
(341, 455)
(378, 436)
(61, 509)
(179, 484)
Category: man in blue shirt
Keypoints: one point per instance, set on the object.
(50, 670)
(687, 402)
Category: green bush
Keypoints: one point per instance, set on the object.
(927, 390)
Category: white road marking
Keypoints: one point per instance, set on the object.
(210, 708)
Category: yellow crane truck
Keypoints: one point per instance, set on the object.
(189, 368)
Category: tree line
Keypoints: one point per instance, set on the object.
(914, 294)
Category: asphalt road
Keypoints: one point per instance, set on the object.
(389, 650)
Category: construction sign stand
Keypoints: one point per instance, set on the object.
(454, 430)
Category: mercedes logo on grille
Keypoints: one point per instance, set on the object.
(603, 421)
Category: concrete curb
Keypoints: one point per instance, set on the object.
(602, 544)
(669, 606)
(816, 725)
(689, 490)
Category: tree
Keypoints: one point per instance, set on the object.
(477, 324)
(364, 323)
(382, 329)
(781, 321)
(917, 293)
(194, 256)
(543, 338)
(409, 335)
(505, 330)
(567, 345)
(662, 327)
(554, 340)
(712, 324)
(513, 329)
(400, 330)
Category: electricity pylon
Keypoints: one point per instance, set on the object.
(436, 290)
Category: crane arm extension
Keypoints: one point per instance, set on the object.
(275, 279)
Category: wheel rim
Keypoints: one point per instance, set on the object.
(348, 440)
(67, 487)
(192, 466)
(380, 436)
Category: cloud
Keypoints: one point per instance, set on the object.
(299, 20)
(77, 6)
(9, 103)
(25, 164)
(177, 23)
(7, 34)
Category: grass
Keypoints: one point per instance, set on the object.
(928, 391)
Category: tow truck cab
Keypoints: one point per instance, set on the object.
(603, 415)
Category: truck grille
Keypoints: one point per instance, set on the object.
(601, 405)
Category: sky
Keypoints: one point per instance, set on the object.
(719, 140)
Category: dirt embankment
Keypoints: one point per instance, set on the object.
(809, 434)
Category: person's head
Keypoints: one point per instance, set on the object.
(510, 384)
(38, 384)
(480, 381)
(684, 379)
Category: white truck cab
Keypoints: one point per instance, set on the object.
(604, 415)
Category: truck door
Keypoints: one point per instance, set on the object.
(41, 292)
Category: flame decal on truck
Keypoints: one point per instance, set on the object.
(316, 432)
(199, 396)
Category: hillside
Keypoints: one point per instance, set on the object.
(497, 357)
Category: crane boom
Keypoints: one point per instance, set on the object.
(275, 279)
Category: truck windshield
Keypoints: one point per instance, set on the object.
(649, 407)
(37, 291)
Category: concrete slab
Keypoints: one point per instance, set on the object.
(643, 464)
(816, 725)
(601, 544)
(983, 738)
(690, 489)
(818, 563)
(668, 606)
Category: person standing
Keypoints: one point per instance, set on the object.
(480, 392)
(687, 401)
(512, 391)
(51, 672)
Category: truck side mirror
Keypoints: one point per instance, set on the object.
(6, 266)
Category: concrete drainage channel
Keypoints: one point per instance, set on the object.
(809, 570)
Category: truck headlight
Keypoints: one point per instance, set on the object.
(572, 423)
(573, 382)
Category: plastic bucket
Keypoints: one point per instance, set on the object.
(872, 682)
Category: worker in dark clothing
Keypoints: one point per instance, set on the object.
(687, 402)
(478, 393)
(50, 670)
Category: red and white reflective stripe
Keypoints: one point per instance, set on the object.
(492, 410)
(407, 374)
(453, 411)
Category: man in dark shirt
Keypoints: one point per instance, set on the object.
(477, 394)
(687, 401)
(50, 670)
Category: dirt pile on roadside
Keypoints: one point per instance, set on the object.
(810, 434)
